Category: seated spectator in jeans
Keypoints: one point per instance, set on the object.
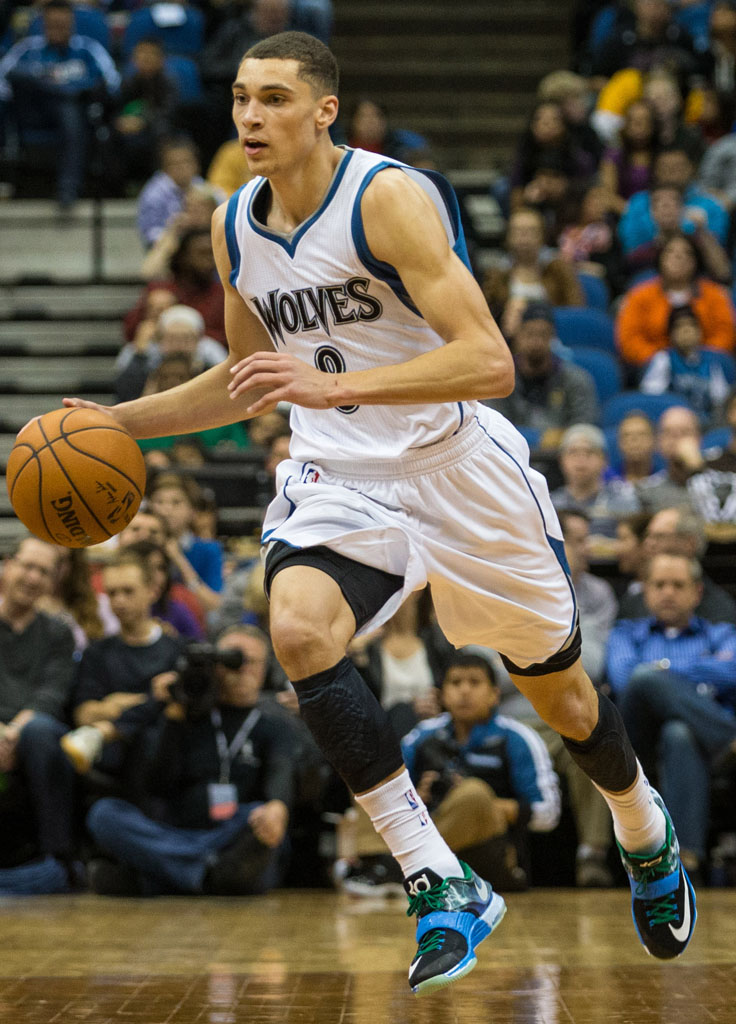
(485, 778)
(118, 672)
(675, 678)
(550, 394)
(220, 771)
(61, 74)
(686, 368)
(36, 670)
(583, 458)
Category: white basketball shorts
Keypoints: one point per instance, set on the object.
(468, 515)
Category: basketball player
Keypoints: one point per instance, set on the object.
(348, 294)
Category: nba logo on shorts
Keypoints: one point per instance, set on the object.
(424, 818)
(311, 477)
(411, 799)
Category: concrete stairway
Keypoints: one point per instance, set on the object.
(461, 72)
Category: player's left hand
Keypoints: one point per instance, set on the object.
(285, 379)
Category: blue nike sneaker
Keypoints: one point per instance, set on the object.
(662, 896)
(454, 916)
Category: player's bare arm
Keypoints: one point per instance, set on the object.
(404, 230)
(200, 403)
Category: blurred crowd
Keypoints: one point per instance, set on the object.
(151, 742)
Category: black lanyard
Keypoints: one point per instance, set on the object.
(227, 753)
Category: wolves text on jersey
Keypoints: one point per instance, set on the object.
(324, 306)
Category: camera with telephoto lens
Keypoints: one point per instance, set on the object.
(196, 684)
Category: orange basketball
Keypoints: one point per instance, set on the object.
(75, 477)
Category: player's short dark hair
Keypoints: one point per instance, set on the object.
(317, 64)
(467, 660)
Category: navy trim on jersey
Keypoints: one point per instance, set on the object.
(289, 245)
(233, 249)
(292, 510)
(555, 544)
(384, 271)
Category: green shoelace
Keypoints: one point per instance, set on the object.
(429, 900)
(432, 941)
(661, 909)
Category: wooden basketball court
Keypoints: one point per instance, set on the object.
(295, 957)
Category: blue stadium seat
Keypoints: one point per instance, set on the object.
(615, 408)
(531, 435)
(185, 73)
(727, 363)
(603, 368)
(716, 438)
(602, 27)
(179, 28)
(87, 22)
(588, 327)
(596, 291)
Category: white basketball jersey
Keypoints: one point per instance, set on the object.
(324, 298)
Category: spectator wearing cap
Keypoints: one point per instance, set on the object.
(179, 330)
(550, 394)
(583, 460)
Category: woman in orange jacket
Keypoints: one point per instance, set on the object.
(641, 324)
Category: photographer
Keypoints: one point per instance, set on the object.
(484, 777)
(220, 776)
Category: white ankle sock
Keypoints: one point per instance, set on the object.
(638, 823)
(401, 818)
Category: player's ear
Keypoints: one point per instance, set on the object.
(327, 111)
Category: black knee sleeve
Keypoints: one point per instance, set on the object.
(606, 757)
(349, 725)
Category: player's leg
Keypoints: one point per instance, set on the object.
(663, 901)
(318, 599)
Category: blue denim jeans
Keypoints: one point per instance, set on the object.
(676, 732)
(168, 859)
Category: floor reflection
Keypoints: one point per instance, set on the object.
(545, 994)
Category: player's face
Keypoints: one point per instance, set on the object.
(277, 116)
(130, 595)
(468, 694)
(30, 574)
(670, 593)
(241, 686)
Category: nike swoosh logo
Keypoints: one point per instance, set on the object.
(413, 968)
(482, 889)
(681, 933)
